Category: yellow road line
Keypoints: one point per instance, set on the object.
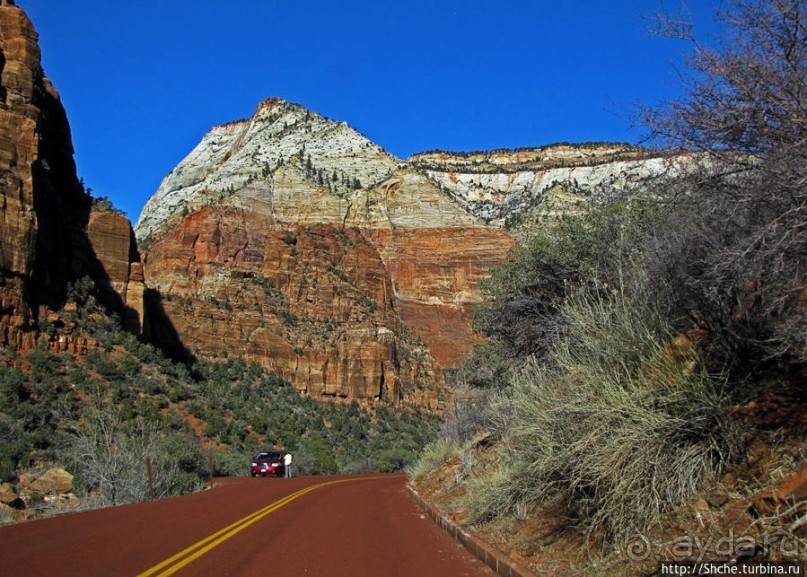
(189, 554)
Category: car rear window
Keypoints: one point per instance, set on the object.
(271, 456)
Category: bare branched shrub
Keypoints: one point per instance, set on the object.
(523, 312)
(737, 245)
(109, 456)
(469, 415)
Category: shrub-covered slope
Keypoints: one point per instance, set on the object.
(101, 415)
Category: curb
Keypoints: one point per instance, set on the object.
(483, 552)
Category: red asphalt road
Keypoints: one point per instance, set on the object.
(365, 526)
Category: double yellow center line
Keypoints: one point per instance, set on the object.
(188, 555)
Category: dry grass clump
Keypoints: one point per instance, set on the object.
(434, 456)
(620, 432)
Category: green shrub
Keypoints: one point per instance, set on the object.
(490, 493)
(394, 460)
(231, 463)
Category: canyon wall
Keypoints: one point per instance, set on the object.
(287, 238)
(424, 232)
(45, 241)
(524, 190)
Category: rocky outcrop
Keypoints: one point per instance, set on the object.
(283, 154)
(435, 227)
(44, 210)
(34, 156)
(51, 490)
(313, 303)
(120, 274)
(435, 274)
(54, 481)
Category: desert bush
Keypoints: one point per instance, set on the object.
(108, 454)
(621, 432)
(314, 457)
(524, 297)
(489, 367)
(229, 463)
(108, 460)
(469, 415)
(179, 464)
(394, 459)
(491, 493)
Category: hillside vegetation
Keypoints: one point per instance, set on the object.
(102, 415)
(629, 346)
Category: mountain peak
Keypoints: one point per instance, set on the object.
(247, 155)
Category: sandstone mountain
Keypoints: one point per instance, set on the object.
(292, 240)
(50, 236)
(286, 238)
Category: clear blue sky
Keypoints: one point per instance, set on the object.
(143, 81)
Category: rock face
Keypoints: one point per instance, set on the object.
(52, 482)
(120, 274)
(364, 258)
(301, 165)
(311, 302)
(44, 209)
(520, 190)
(292, 240)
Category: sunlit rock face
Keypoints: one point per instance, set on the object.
(285, 160)
(372, 264)
(44, 210)
(523, 190)
(371, 269)
(314, 303)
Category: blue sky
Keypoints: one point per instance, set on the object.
(143, 81)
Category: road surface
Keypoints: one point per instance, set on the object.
(342, 526)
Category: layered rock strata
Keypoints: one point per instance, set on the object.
(435, 226)
(311, 302)
(289, 172)
(522, 190)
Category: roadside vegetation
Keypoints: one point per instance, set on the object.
(621, 342)
(102, 415)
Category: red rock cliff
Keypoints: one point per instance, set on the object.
(379, 302)
(44, 210)
(314, 303)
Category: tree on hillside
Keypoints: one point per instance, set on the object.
(737, 251)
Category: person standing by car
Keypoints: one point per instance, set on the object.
(287, 463)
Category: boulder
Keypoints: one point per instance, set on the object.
(7, 494)
(55, 481)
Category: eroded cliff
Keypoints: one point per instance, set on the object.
(395, 265)
(521, 190)
(427, 230)
(45, 237)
